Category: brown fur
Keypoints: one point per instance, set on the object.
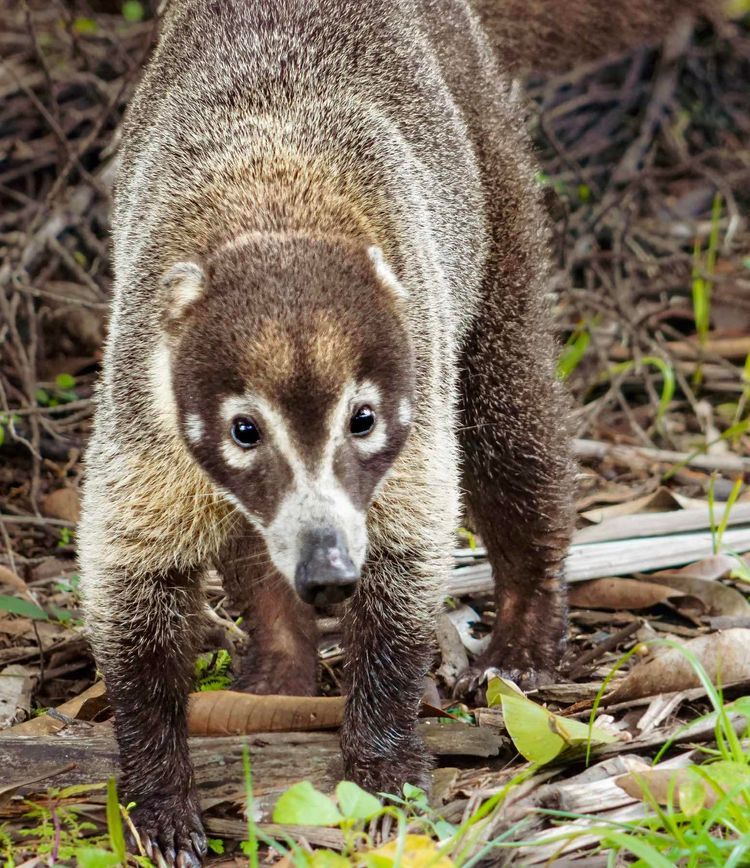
(550, 35)
(272, 144)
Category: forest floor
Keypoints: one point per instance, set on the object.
(645, 169)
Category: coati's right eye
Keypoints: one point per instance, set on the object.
(245, 432)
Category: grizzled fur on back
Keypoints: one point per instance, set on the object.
(325, 218)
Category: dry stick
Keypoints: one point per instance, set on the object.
(724, 348)
(608, 644)
(635, 455)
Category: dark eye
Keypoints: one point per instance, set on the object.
(362, 422)
(245, 432)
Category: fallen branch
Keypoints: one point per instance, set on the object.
(636, 455)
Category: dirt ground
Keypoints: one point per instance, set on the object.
(645, 169)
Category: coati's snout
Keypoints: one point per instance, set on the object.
(295, 403)
(325, 574)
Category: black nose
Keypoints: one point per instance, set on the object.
(325, 573)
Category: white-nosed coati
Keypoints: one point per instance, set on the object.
(329, 318)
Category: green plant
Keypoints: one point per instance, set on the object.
(667, 374)
(212, 670)
(704, 266)
(688, 830)
(733, 431)
(6, 848)
(574, 350)
(717, 531)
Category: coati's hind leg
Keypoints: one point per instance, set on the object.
(518, 477)
(281, 655)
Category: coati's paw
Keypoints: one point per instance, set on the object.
(171, 831)
(409, 763)
(472, 682)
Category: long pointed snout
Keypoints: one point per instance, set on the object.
(325, 574)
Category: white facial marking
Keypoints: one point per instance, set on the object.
(385, 273)
(315, 498)
(194, 428)
(160, 375)
(236, 456)
(186, 282)
(404, 412)
(239, 505)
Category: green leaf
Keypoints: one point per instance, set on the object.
(692, 797)
(84, 25)
(2, 435)
(93, 857)
(327, 859)
(355, 803)
(114, 821)
(18, 606)
(215, 845)
(41, 397)
(303, 805)
(573, 351)
(640, 848)
(133, 11)
(415, 794)
(538, 734)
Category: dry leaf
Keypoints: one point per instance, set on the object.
(629, 594)
(658, 501)
(725, 657)
(711, 568)
(63, 503)
(225, 712)
(693, 788)
(45, 724)
(718, 599)
(8, 577)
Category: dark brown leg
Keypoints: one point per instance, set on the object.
(281, 655)
(389, 626)
(518, 477)
(145, 632)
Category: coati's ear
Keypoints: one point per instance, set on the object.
(182, 285)
(385, 273)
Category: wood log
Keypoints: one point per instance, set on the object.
(33, 764)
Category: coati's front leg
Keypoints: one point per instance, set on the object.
(518, 479)
(282, 650)
(389, 628)
(145, 631)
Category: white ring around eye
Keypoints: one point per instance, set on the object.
(237, 457)
(374, 441)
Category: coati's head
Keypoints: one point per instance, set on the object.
(292, 375)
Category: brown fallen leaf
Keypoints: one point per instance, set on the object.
(9, 578)
(225, 712)
(628, 594)
(725, 657)
(718, 599)
(45, 724)
(63, 503)
(657, 501)
(661, 784)
(711, 568)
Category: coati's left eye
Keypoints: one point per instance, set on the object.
(362, 422)
(245, 432)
